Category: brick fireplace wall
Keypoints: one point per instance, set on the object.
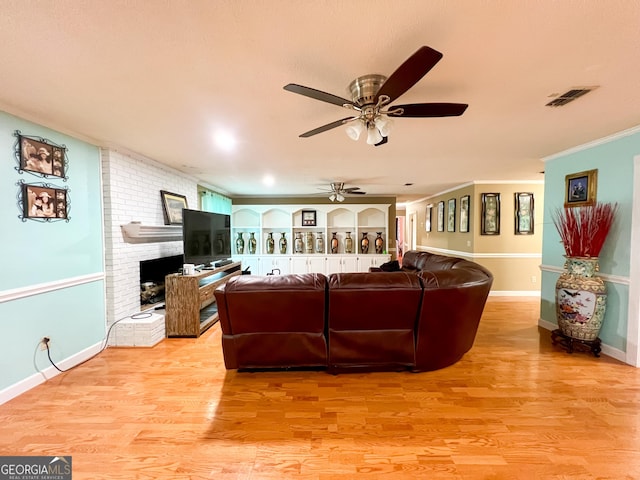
(131, 192)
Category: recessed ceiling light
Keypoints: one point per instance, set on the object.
(225, 140)
(268, 180)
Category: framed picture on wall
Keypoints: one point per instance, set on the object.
(40, 156)
(523, 213)
(44, 202)
(451, 215)
(427, 218)
(441, 216)
(580, 188)
(172, 205)
(490, 219)
(464, 213)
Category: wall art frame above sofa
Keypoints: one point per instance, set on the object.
(427, 217)
(581, 188)
(465, 202)
(172, 206)
(490, 217)
(524, 213)
(40, 156)
(451, 215)
(441, 216)
(43, 202)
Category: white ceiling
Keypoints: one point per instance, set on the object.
(158, 77)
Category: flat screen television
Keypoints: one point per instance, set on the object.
(206, 237)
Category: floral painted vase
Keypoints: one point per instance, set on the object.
(282, 244)
(581, 299)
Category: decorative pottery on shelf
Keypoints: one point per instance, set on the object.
(348, 243)
(270, 243)
(581, 296)
(240, 244)
(252, 243)
(319, 243)
(282, 244)
(364, 243)
(581, 299)
(334, 242)
(298, 243)
(379, 243)
(308, 242)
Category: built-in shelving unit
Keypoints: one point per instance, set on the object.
(354, 220)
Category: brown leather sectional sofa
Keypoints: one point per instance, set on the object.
(422, 316)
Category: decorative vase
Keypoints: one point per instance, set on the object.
(270, 243)
(319, 243)
(252, 243)
(282, 244)
(334, 242)
(299, 244)
(581, 299)
(364, 243)
(379, 243)
(348, 243)
(308, 242)
(240, 244)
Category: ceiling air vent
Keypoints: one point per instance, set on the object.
(568, 96)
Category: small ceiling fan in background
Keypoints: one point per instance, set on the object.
(337, 191)
(373, 94)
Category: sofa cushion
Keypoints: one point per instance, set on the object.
(372, 317)
(273, 321)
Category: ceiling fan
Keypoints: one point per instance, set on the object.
(337, 191)
(373, 94)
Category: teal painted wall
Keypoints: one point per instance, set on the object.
(32, 253)
(613, 159)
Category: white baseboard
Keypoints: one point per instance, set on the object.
(48, 373)
(514, 293)
(606, 349)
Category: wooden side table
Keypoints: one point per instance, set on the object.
(569, 343)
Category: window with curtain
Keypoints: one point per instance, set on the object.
(214, 202)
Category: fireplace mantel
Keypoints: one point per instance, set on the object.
(136, 232)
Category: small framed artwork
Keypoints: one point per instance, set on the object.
(524, 213)
(490, 220)
(451, 215)
(172, 206)
(44, 202)
(441, 216)
(40, 156)
(464, 213)
(427, 218)
(580, 188)
(309, 218)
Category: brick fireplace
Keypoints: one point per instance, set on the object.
(131, 193)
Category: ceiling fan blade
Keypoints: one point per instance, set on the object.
(326, 127)
(317, 94)
(409, 73)
(357, 192)
(431, 110)
(382, 142)
(351, 189)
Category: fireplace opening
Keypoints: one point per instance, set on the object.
(152, 273)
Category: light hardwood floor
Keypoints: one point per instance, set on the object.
(514, 407)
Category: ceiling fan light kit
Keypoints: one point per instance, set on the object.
(372, 94)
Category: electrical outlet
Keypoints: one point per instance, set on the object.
(44, 342)
(533, 279)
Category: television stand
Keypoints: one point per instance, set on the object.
(190, 301)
